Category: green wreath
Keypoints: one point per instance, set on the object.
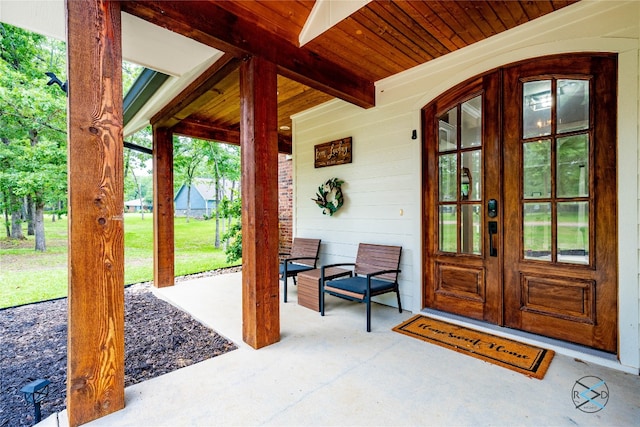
(329, 196)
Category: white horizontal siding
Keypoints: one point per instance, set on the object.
(378, 185)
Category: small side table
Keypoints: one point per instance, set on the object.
(309, 285)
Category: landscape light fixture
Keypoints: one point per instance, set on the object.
(34, 393)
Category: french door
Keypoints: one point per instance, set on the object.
(520, 199)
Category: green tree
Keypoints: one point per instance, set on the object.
(32, 126)
(233, 235)
(224, 163)
(137, 184)
(33, 130)
(130, 73)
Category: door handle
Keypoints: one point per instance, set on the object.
(493, 230)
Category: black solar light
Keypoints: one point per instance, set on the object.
(34, 393)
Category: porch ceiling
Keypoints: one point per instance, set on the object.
(380, 39)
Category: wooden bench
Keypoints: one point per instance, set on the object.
(303, 257)
(375, 272)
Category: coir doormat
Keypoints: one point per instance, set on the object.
(524, 358)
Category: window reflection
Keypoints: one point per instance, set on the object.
(573, 105)
(573, 166)
(472, 162)
(448, 131)
(537, 169)
(470, 229)
(448, 228)
(448, 166)
(471, 131)
(573, 232)
(536, 109)
(537, 231)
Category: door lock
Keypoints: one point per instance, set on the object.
(492, 208)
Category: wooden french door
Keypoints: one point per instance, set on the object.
(519, 178)
(461, 172)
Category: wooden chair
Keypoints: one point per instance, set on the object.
(375, 272)
(303, 257)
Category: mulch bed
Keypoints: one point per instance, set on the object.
(159, 338)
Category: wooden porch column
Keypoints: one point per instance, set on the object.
(95, 346)
(259, 151)
(163, 234)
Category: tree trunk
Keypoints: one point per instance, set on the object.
(139, 189)
(230, 217)
(217, 239)
(7, 222)
(6, 193)
(39, 227)
(16, 219)
(16, 225)
(188, 202)
(141, 206)
(7, 226)
(223, 222)
(30, 209)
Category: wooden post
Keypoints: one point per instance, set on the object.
(163, 233)
(259, 151)
(95, 366)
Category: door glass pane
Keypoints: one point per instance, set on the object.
(448, 226)
(572, 172)
(470, 229)
(448, 131)
(573, 105)
(472, 168)
(573, 232)
(536, 174)
(471, 130)
(536, 109)
(537, 231)
(448, 167)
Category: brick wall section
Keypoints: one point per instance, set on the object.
(285, 202)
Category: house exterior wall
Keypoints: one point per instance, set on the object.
(382, 186)
(198, 204)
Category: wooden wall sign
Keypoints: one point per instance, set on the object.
(332, 153)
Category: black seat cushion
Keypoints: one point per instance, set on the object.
(358, 285)
(293, 269)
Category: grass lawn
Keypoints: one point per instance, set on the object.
(28, 276)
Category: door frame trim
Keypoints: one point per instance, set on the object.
(628, 268)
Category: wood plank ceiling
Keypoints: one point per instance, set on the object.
(381, 39)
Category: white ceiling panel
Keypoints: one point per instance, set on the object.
(142, 42)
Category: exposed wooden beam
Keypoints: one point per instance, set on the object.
(185, 103)
(95, 343)
(258, 142)
(200, 130)
(163, 228)
(210, 23)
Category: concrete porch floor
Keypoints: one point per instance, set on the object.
(329, 371)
